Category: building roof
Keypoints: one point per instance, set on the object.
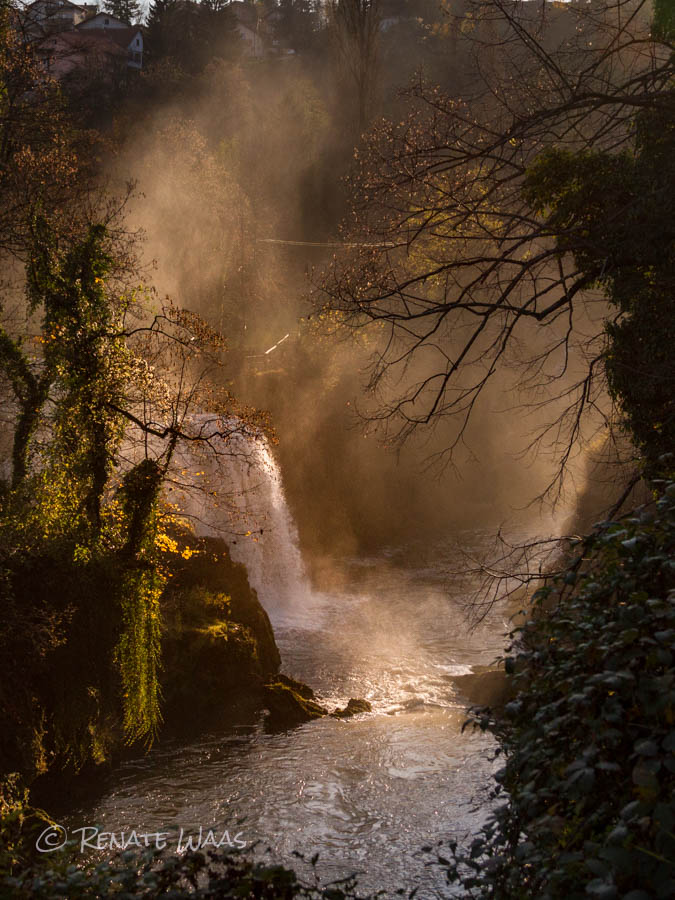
(103, 15)
(52, 15)
(86, 40)
(57, 4)
(123, 37)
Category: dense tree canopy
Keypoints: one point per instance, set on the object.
(490, 225)
(192, 33)
(98, 381)
(126, 10)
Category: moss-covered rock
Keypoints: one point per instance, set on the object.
(291, 703)
(218, 648)
(354, 707)
(288, 707)
(215, 574)
(299, 687)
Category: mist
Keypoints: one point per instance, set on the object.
(239, 196)
(328, 376)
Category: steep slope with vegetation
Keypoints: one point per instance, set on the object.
(531, 230)
(585, 804)
(99, 383)
(487, 234)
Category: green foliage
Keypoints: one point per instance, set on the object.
(88, 361)
(140, 495)
(19, 825)
(30, 392)
(81, 582)
(589, 777)
(139, 652)
(194, 874)
(191, 33)
(126, 10)
(612, 213)
(663, 26)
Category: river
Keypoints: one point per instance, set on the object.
(366, 794)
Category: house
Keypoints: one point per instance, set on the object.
(51, 16)
(252, 28)
(102, 20)
(253, 43)
(69, 37)
(74, 54)
(128, 37)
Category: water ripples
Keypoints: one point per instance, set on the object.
(366, 793)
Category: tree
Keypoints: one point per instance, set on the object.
(126, 10)
(192, 33)
(219, 33)
(158, 28)
(38, 153)
(94, 439)
(355, 27)
(472, 247)
(296, 23)
(607, 211)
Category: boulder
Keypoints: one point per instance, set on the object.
(484, 687)
(299, 687)
(218, 647)
(353, 708)
(289, 707)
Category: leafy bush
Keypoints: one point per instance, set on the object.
(588, 785)
(20, 825)
(150, 875)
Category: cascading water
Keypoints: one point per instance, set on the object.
(368, 793)
(237, 494)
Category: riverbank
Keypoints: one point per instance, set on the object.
(584, 802)
(366, 793)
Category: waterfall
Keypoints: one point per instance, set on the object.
(271, 552)
(237, 494)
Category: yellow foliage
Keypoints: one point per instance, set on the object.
(166, 544)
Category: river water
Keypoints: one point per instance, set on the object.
(368, 793)
(365, 794)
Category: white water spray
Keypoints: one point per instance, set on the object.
(237, 494)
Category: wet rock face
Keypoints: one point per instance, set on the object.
(218, 649)
(209, 674)
(291, 703)
(484, 687)
(353, 708)
(214, 571)
(289, 707)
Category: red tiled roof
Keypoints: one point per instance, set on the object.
(120, 36)
(86, 40)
